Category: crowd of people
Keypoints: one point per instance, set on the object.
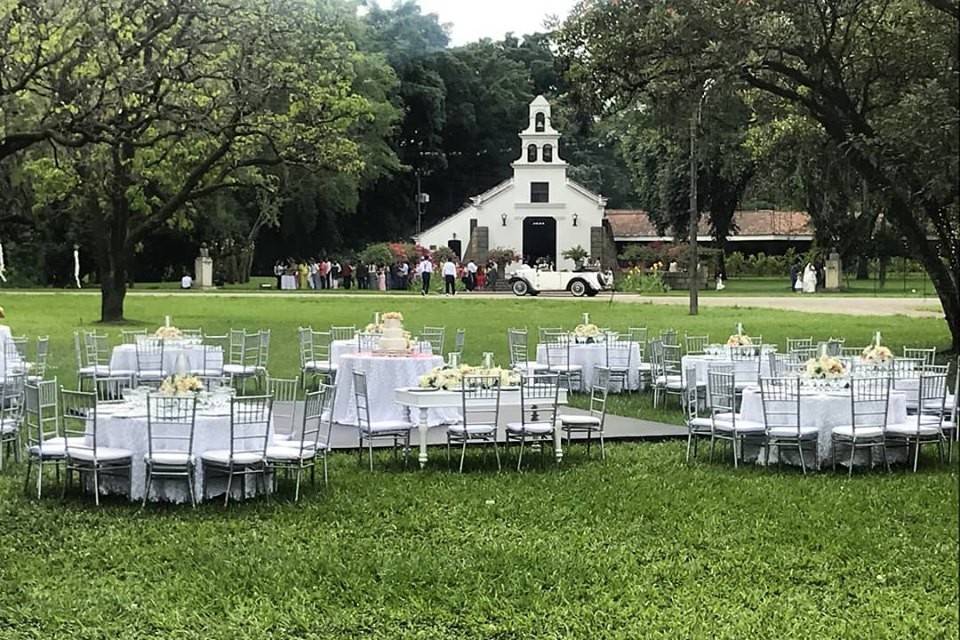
(318, 274)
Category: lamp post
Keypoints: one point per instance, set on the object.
(693, 264)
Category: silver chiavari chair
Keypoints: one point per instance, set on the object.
(84, 453)
(672, 373)
(480, 406)
(368, 342)
(131, 336)
(557, 346)
(171, 425)
(798, 343)
(539, 394)
(926, 427)
(249, 434)
(639, 336)
(696, 345)
(342, 332)
(315, 354)
(926, 356)
(869, 411)
(41, 419)
(435, 337)
(368, 430)
(37, 370)
(519, 353)
(459, 340)
(245, 357)
(150, 361)
(286, 396)
(11, 414)
(619, 365)
(301, 455)
(669, 337)
(783, 421)
(698, 426)
(593, 422)
(726, 422)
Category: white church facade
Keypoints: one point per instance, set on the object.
(539, 212)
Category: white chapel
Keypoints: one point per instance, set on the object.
(539, 212)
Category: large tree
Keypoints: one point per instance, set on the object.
(222, 96)
(879, 77)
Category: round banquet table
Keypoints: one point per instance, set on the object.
(911, 388)
(593, 355)
(826, 410)
(743, 369)
(384, 375)
(124, 426)
(340, 348)
(124, 358)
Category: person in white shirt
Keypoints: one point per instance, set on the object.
(425, 268)
(449, 278)
(186, 282)
(471, 275)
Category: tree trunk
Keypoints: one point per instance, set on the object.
(863, 267)
(114, 243)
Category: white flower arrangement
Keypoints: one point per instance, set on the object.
(392, 315)
(373, 327)
(586, 331)
(452, 377)
(181, 385)
(739, 340)
(825, 368)
(168, 333)
(876, 354)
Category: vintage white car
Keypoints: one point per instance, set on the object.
(529, 281)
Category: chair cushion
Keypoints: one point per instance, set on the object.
(645, 367)
(473, 429)
(579, 420)
(222, 456)
(386, 426)
(740, 426)
(290, 452)
(104, 454)
(56, 447)
(94, 370)
(179, 458)
(9, 425)
(565, 368)
(239, 370)
(913, 427)
(150, 374)
(791, 432)
(319, 365)
(537, 428)
(862, 433)
(669, 381)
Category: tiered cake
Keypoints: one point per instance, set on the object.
(393, 338)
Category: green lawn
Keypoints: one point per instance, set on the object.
(640, 546)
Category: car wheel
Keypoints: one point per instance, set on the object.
(592, 293)
(578, 288)
(520, 287)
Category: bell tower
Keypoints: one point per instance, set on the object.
(540, 141)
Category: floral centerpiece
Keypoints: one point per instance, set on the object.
(392, 315)
(179, 385)
(739, 340)
(875, 353)
(447, 377)
(825, 368)
(587, 333)
(168, 333)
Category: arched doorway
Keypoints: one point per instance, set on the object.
(540, 240)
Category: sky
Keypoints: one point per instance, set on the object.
(470, 20)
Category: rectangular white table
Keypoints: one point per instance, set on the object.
(423, 401)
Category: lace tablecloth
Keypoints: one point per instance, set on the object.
(589, 356)
(826, 410)
(743, 369)
(120, 429)
(384, 375)
(340, 348)
(124, 358)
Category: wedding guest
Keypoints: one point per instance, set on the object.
(382, 278)
(372, 275)
(335, 270)
(347, 275)
(424, 269)
(449, 277)
(404, 275)
(186, 282)
(278, 271)
(481, 278)
(471, 275)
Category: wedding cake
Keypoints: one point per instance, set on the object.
(393, 337)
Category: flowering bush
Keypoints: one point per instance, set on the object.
(637, 280)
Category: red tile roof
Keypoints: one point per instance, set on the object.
(627, 224)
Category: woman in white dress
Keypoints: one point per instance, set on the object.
(810, 279)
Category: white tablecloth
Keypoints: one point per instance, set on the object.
(825, 410)
(743, 369)
(5, 333)
(124, 358)
(589, 356)
(384, 375)
(118, 429)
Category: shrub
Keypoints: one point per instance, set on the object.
(637, 280)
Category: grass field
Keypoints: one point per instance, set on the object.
(639, 546)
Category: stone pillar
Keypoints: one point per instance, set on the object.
(834, 271)
(203, 272)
